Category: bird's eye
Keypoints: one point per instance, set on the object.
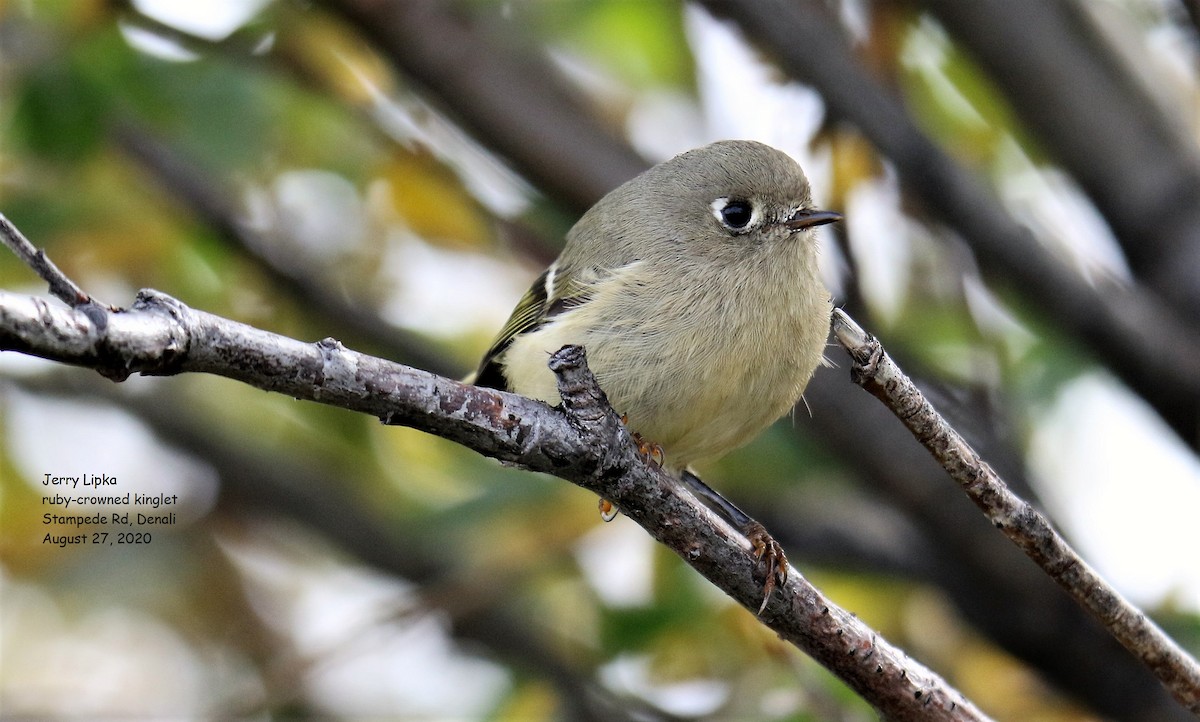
(734, 214)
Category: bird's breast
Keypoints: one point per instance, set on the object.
(698, 368)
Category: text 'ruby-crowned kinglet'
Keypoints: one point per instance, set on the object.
(695, 291)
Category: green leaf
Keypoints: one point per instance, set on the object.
(60, 114)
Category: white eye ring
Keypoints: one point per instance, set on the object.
(736, 214)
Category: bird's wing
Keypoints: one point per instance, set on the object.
(552, 293)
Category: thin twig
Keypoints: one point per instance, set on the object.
(61, 286)
(875, 371)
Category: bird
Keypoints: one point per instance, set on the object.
(696, 292)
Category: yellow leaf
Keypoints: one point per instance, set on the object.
(432, 202)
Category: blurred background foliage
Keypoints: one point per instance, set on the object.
(395, 174)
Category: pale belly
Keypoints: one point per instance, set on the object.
(723, 389)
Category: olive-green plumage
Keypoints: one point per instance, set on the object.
(694, 288)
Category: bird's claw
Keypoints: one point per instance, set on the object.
(772, 567)
(608, 511)
(650, 450)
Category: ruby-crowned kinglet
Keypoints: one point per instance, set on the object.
(694, 289)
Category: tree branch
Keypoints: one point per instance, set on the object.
(874, 370)
(583, 442)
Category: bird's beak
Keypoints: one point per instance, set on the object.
(809, 218)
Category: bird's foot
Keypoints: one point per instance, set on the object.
(772, 566)
(652, 452)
